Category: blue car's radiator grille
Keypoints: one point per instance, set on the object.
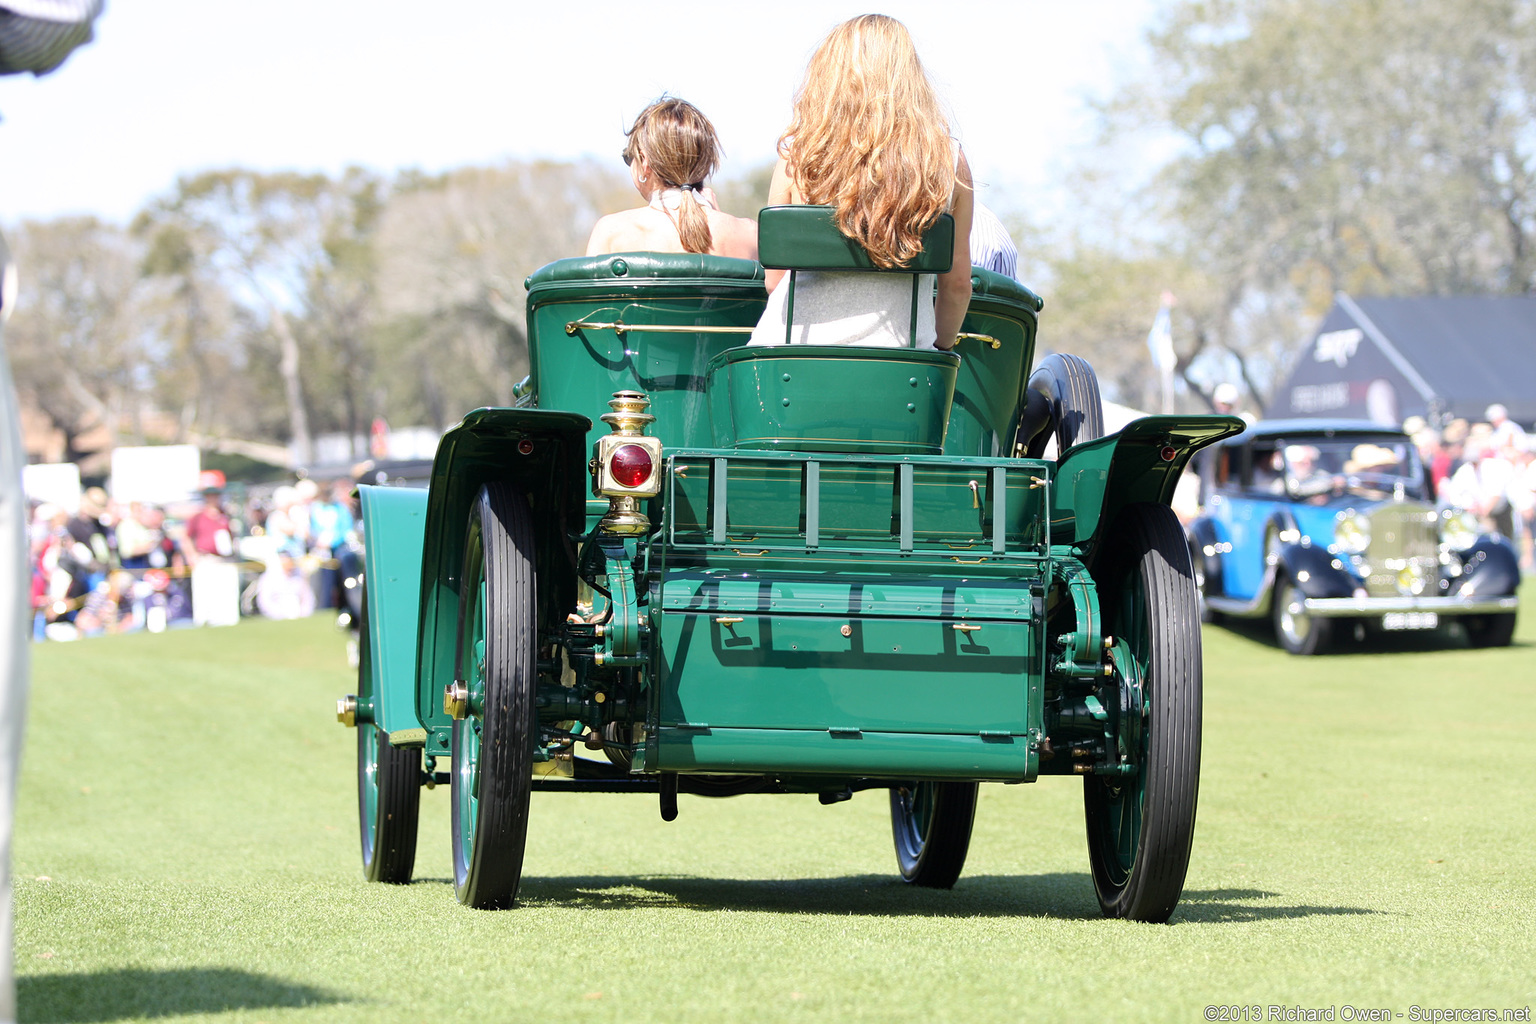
(1404, 536)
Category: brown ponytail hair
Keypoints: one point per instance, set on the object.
(681, 148)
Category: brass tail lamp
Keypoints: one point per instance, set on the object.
(626, 465)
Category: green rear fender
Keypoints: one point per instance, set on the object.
(1140, 463)
(543, 455)
(394, 521)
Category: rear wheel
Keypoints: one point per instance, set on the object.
(1298, 632)
(931, 823)
(493, 743)
(388, 785)
(1141, 826)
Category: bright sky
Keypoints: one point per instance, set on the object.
(172, 87)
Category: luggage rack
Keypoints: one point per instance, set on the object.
(974, 512)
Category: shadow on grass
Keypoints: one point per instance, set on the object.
(144, 992)
(1234, 906)
(1064, 895)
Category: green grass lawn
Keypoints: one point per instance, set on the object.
(186, 847)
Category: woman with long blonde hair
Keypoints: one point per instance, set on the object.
(868, 138)
(671, 152)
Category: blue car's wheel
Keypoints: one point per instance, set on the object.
(388, 786)
(931, 823)
(1141, 826)
(493, 742)
(1298, 632)
(1490, 630)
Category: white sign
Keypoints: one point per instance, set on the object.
(1337, 347)
(156, 474)
(53, 483)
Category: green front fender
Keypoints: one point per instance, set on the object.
(1140, 463)
(394, 521)
(541, 453)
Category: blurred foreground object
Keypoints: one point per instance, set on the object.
(37, 35)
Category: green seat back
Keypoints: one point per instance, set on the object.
(806, 238)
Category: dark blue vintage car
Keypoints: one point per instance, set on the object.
(1329, 527)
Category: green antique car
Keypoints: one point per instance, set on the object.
(799, 569)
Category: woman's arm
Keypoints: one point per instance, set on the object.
(955, 286)
(780, 193)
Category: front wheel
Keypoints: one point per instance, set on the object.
(1298, 632)
(1062, 404)
(1141, 826)
(931, 823)
(388, 785)
(493, 742)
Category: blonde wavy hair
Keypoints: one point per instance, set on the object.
(680, 146)
(870, 139)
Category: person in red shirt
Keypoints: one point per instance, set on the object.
(208, 528)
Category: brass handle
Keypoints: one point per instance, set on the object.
(975, 495)
(749, 554)
(967, 561)
(985, 339)
(619, 327)
(729, 620)
(964, 627)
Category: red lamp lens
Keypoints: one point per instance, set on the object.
(630, 465)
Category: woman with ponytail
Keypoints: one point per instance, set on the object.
(869, 139)
(671, 153)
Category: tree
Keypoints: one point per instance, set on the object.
(265, 238)
(453, 252)
(76, 341)
(1335, 145)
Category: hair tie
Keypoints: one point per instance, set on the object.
(672, 198)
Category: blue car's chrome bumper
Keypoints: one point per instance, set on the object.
(1340, 607)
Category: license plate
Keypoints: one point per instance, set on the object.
(1410, 620)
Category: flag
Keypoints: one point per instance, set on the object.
(1160, 338)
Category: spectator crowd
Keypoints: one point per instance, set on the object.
(1488, 468)
(113, 567)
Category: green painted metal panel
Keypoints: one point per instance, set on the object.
(1141, 463)
(487, 446)
(578, 368)
(858, 594)
(861, 755)
(989, 390)
(394, 526)
(806, 653)
(831, 398)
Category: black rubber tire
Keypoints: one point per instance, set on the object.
(496, 745)
(1296, 632)
(1496, 630)
(1140, 831)
(931, 824)
(1062, 401)
(388, 828)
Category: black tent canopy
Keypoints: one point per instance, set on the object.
(1440, 357)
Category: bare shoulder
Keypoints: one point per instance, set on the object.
(625, 231)
(734, 236)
